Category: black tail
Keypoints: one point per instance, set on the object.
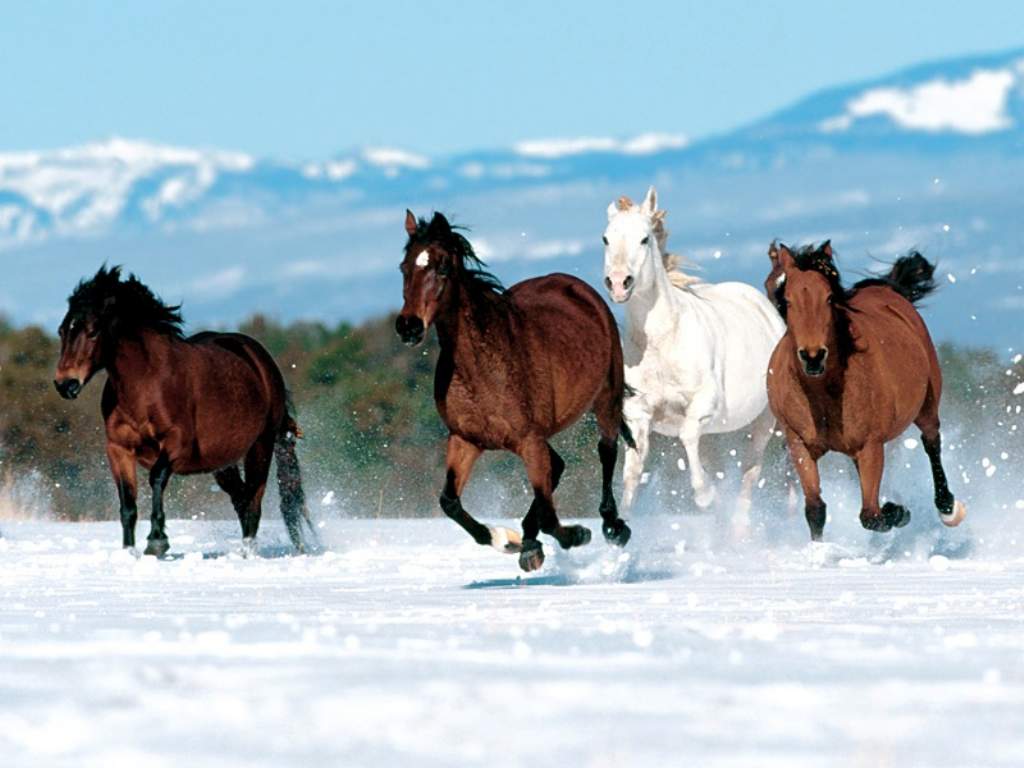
(289, 484)
(624, 430)
(627, 434)
(912, 276)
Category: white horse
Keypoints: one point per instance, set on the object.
(696, 353)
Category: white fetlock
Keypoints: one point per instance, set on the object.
(705, 497)
(506, 540)
(955, 517)
(248, 547)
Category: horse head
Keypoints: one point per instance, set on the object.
(438, 260)
(100, 311)
(630, 241)
(809, 295)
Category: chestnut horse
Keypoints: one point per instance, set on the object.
(516, 367)
(855, 368)
(180, 406)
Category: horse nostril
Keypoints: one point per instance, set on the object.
(608, 283)
(628, 282)
(409, 328)
(69, 388)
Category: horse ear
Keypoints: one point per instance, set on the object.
(410, 222)
(785, 258)
(650, 204)
(826, 248)
(613, 210)
(439, 226)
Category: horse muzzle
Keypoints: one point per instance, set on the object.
(68, 388)
(620, 286)
(813, 362)
(410, 329)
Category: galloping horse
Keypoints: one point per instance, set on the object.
(516, 367)
(854, 369)
(180, 406)
(695, 352)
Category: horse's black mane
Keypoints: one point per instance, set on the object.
(911, 276)
(473, 274)
(124, 306)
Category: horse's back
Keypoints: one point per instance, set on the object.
(234, 373)
(889, 329)
(569, 340)
(743, 329)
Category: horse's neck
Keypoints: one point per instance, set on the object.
(134, 358)
(656, 313)
(470, 328)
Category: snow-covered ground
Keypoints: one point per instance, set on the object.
(406, 644)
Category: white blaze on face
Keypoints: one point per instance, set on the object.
(423, 259)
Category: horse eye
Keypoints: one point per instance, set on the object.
(645, 240)
(443, 270)
(604, 239)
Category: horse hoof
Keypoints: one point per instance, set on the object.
(877, 523)
(954, 518)
(895, 514)
(616, 532)
(157, 547)
(569, 536)
(532, 556)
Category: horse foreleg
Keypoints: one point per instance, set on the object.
(122, 467)
(806, 467)
(633, 462)
(870, 462)
(159, 475)
(461, 457)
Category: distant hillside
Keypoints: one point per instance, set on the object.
(928, 157)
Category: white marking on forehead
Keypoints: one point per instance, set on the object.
(423, 259)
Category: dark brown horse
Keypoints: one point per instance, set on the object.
(180, 406)
(515, 368)
(855, 368)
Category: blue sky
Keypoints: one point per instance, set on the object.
(300, 80)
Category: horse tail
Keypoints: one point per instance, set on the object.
(289, 484)
(912, 277)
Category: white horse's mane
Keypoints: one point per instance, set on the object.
(673, 262)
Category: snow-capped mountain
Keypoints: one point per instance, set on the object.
(928, 157)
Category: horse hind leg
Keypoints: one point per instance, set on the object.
(609, 421)
(753, 462)
(951, 511)
(230, 481)
(257, 470)
(537, 455)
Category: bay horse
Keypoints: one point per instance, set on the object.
(180, 405)
(516, 367)
(695, 352)
(855, 368)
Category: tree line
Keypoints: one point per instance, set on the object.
(374, 444)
